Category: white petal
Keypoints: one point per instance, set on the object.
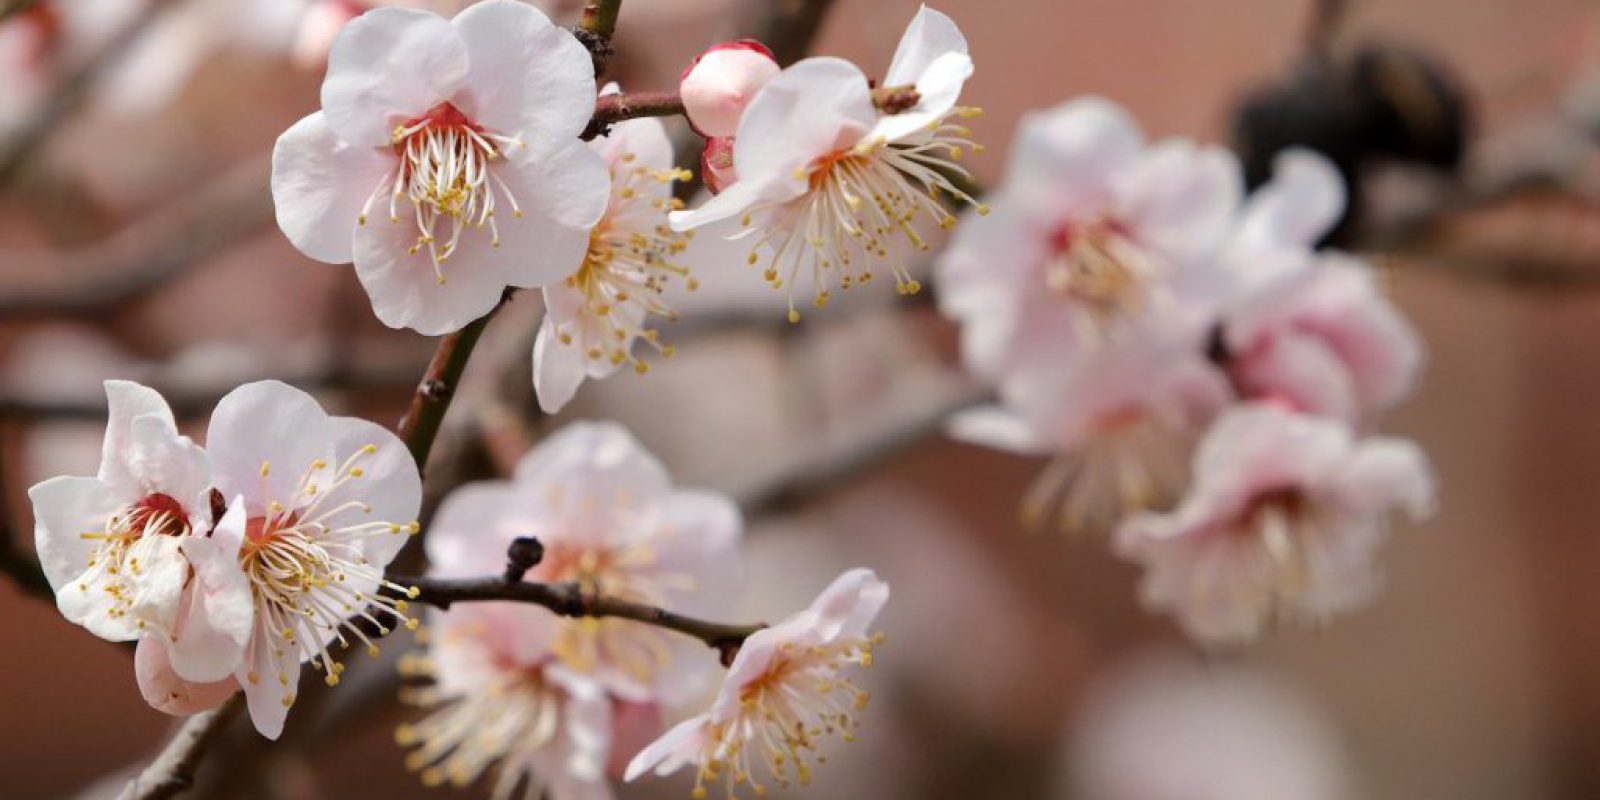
(813, 108)
(126, 400)
(938, 89)
(1387, 472)
(474, 525)
(601, 457)
(668, 754)
(930, 36)
(1067, 158)
(551, 97)
(697, 535)
(849, 604)
(558, 369)
(320, 184)
(1180, 198)
(215, 626)
(264, 423)
(993, 426)
(388, 66)
(276, 673)
(64, 508)
(167, 463)
(1301, 203)
(168, 692)
(730, 202)
(389, 483)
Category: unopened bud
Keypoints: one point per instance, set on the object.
(720, 82)
(716, 164)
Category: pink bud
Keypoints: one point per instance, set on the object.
(720, 82)
(716, 164)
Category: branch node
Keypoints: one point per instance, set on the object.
(524, 554)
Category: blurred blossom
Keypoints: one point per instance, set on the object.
(473, 183)
(784, 690)
(119, 548)
(830, 173)
(1282, 525)
(594, 316)
(610, 520)
(1326, 341)
(327, 503)
(1096, 237)
(1166, 728)
(1119, 428)
(502, 704)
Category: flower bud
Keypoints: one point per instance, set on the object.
(716, 163)
(720, 82)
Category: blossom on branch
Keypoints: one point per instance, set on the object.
(830, 172)
(501, 704)
(445, 162)
(128, 556)
(325, 503)
(720, 82)
(1280, 526)
(610, 520)
(595, 315)
(784, 691)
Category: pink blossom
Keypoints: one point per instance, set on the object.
(131, 555)
(830, 182)
(1283, 523)
(1095, 237)
(609, 519)
(784, 689)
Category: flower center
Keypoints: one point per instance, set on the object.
(1281, 520)
(1098, 265)
(858, 200)
(508, 720)
(445, 172)
(307, 566)
(785, 713)
(122, 549)
(627, 572)
(627, 269)
(1133, 461)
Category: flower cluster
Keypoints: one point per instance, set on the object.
(1201, 376)
(542, 701)
(232, 564)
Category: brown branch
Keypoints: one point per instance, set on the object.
(172, 772)
(570, 600)
(14, 7)
(420, 426)
(596, 26)
(613, 108)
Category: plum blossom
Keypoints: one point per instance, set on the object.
(501, 703)
(128, 555)
(720, 82)
(831, 172)
(1324, 340)
(1119, 429)
(445, 162)
(611, 521)
(594, 316)
(1096, 236)
(326, 503)
(784, 690)
(1281, 525)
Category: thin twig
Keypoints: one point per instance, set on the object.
(570, 600)
(173, 771)
(613, 108)
(420, 426)
(596, 26)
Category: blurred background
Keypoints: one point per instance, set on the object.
(137, 241)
